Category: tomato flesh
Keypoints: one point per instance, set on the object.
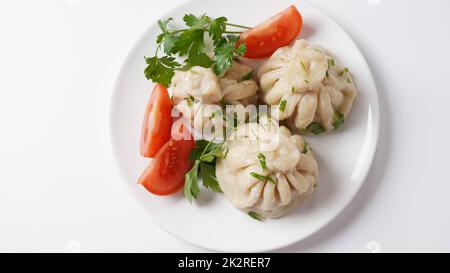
(276, 32)
(157, 122)
(165, 173)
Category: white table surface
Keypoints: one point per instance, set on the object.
(60, 189)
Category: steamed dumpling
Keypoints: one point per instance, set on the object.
(197, 82)
(238, 85)
(199, 93)
(287, 176)
(310, 88)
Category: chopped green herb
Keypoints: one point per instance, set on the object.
(213, 115)
(343, 71)
(226, 153)
(263, 177)
(306, 81)
(315, 128)
(255, 134)
(330, 62)
(283, 105)
(327, 74)
(348, 80)
(190, 101)
(304, 67)
(262, 161)
(338, 120)
(293, 90)
(254, 215)
(305, 148)
(247, 77)
(317, 50)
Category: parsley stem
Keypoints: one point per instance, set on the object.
(239, 26)
(233, 32)
(206, 148)
(178, 31)
(157, 49)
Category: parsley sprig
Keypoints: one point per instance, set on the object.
(204, 157)
(189, 43)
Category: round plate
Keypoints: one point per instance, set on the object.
(344, 157)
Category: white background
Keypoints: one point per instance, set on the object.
(59, 186)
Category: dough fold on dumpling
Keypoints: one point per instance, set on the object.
(199, 94)
(266, 169)
(309, 86)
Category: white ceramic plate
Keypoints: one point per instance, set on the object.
(211, 222)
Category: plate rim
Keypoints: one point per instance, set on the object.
(375, 110)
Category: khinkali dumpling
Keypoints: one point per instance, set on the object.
(266, 170)
(311, 89)
(197, 82)
(238, 85)
(200, 95)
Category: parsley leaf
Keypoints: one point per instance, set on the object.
(166, 37)
(211, 151)
(163, 24)
(190, 42)
(208, 174)
(195, 22)
(160, 69)
(217, 28)
(200, 145)
(191, 188)
(204, 156)
(198, 59)
(226, 51)
(169, 43)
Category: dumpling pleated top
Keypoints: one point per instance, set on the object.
(266, 170)
(312, 89)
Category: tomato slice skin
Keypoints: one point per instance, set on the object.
(165, 173)
(278, 31)
(157, 122)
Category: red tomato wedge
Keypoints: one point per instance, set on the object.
(276, 32)
(165, 173)
(157, 122)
